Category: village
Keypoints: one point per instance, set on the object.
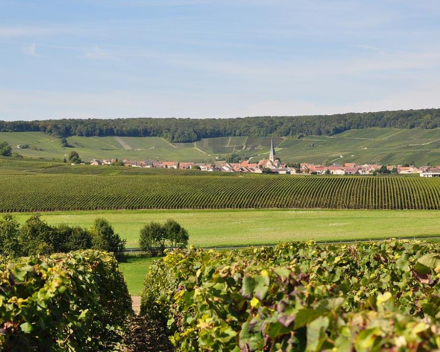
(273, 165)
(282, 169)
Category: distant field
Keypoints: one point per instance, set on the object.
(238, 227)
(374, 145)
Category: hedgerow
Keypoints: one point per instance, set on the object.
(299, 296)
(66, 302)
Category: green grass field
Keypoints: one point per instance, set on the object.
(247, 227)
(134, 269)
(374, 145)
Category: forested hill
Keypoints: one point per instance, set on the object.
(190, 130)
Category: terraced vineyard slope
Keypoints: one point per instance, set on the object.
(42, 192)
(372, 145)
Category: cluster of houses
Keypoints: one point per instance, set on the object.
(267, 166)
(274, 165)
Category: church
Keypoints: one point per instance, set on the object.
(273, 162)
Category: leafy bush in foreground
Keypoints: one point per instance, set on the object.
(65, 302)
(299, 296)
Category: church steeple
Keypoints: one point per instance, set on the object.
(272, 151)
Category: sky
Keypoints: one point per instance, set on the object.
(216, 58)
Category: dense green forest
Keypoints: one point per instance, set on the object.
(190, 130)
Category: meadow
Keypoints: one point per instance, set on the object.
(372, 145)
(210, 228)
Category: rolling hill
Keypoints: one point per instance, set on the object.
(373, 145)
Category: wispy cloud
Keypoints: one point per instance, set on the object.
(288, 69)
(24, 31)
(30, 50)
(96, 53)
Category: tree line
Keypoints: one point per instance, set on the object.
(36, 236)
(190, 130)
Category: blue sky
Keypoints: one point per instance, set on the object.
(216, 58)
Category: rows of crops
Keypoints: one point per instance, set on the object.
(41, 192)
(299, 297)
(66, 302)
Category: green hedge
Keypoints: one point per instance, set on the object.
(66, 302)
(298, 297)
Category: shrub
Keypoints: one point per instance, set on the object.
(9, 236)
(5, 149)
(66, 302)
(75, 238)
(37, 237)
(299, 297)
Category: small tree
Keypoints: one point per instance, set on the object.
(5, 149)
(37, 237)
(9, 236)
(176, 234)
(152, 239)
(75, 238)
(104, 238)
(64, 143)
(74, 157)
(233, 158)
(384, 170)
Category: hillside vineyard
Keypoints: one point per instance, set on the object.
(69, 192)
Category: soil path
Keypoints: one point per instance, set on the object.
(146, 334)
(136, 304)
(123, 143)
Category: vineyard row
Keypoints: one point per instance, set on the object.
(22, 193)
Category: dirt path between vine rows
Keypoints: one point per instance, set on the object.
(136, 304)
(123, 143)
(146, 335)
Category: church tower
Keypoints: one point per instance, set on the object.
(272, 152)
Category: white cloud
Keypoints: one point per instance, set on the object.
(24, 31)
(30, 50)
(96, 53)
